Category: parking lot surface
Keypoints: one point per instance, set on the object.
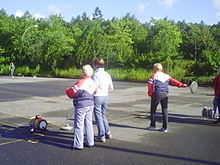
(190, 139)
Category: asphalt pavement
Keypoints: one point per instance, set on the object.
(190, 139)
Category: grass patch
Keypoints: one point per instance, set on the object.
(137, 75)
(140, 75)
(68, 73)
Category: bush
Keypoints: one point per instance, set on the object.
(20, 71)
(178, 73)
(175, 70)
(204, 81)
(117, 74)
(23, 71)
(68, 73)
(184, 65)
(4, 69)
(188, 80)
(36, 71)
(141, 75)
(203, 69)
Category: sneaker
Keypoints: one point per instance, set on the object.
(103, 140)
(163, 130)
(216, 122)
(151, 128)
(89, 146)
(75, 148)
(109, 136)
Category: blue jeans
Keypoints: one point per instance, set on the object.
(83, 117)
(100, 107)
(11, 72)
(215, 106)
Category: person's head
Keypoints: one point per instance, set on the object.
(158, 67)
(98, 63)
(87, 70)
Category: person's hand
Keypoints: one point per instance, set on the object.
(184, 85)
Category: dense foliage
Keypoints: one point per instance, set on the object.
(55, 46)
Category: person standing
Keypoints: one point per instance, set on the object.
(83, 101)
(158, 91)
(216, 82)
(215, 106)
(11, 69)
(104, 85)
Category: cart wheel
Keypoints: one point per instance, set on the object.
(42, 125)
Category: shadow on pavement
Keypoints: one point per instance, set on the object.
(64, 140)
(173, 118)
(10, 134)
(125, 126)
(59, 139)
(188, 119)
(157, 155)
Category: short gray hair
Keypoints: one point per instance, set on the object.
(158, 66)
(87, 70)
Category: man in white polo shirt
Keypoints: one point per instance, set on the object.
(104, 85)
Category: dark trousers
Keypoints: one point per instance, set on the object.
(155, 100)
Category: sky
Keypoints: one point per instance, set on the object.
(192, 11)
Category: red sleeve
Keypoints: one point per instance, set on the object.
(150, 89)
(217, 85)
(70, 92)
(150, 85)
(174, 82)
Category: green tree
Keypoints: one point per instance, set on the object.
(97, 14)
(119, 39)
(56, 42)
(123, 43)
(139, 33)
(7, 30)
(164, 40)
(92, 43)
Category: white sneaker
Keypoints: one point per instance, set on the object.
(109, 136)
(151, 128)
(163, 130)
(102, 140)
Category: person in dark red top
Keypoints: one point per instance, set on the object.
(217, 94)
(158, 90)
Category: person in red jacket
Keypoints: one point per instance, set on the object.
(158, 90)
(217, 94)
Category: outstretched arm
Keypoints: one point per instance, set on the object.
(174, 82)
